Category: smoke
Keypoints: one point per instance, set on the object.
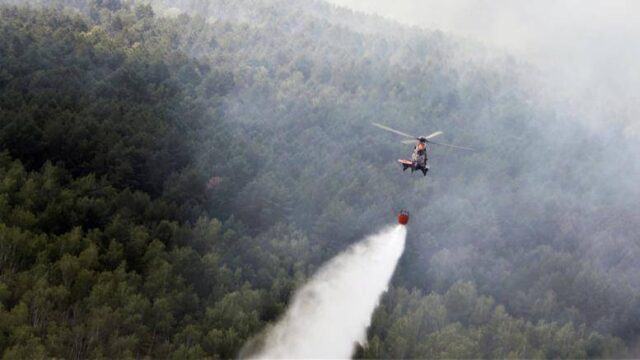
(586, 50)
(333, 310)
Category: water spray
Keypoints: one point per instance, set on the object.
(332, 312)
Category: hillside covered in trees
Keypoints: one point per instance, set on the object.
(171, 171)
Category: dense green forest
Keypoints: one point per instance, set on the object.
(171, 171)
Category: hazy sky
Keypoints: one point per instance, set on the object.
(590, 48)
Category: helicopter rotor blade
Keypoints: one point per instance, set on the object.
(451, 146)
(431, 136)
(408, 141)
(392, 130)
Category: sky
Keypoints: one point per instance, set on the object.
(589, 50)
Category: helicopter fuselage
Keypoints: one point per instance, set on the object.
(414, 166)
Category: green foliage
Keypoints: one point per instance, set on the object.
(107, 245)
(113, 104)
(133, 285)
(412, 325)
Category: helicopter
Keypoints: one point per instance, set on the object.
(418, 160)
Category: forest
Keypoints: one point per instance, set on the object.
(172, 170)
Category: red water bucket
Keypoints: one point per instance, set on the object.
(403, 217)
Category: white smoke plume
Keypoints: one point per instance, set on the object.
(333, 310)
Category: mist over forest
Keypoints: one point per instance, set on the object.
(171, 171)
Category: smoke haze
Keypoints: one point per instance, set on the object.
(332, 312)
(586, 50)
